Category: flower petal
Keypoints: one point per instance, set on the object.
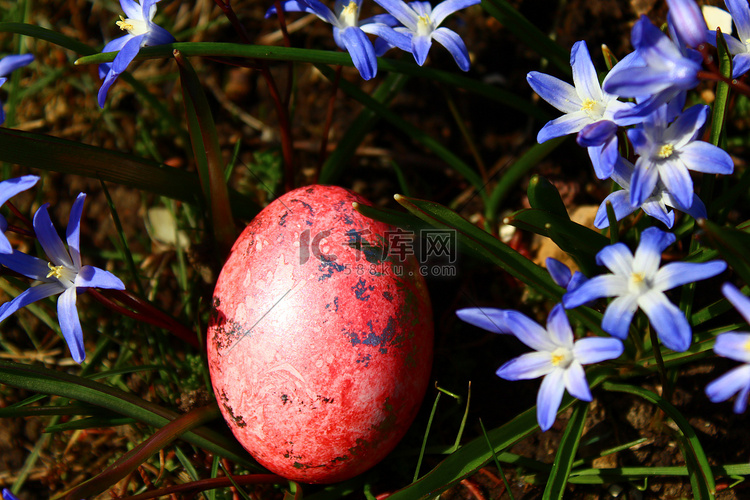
(455, 45)
(49, 239)
(560, 272)
(617, 258)
(73, 232)
(70, 325)
(619, 315)
(676, 274)
(361, 50)
(701, 156)
(527, 366)
(740, 64)
(558, 93)
(687, 20)
(738, 300)
(575, 382)
(448, 7)
(548, 399)
(558, 327)
(585, 79)
(93, 277)
(648, 254)
(420, 47)
(11, 187)
(669, 322)
(571, 123)
(401, 11)
(390, 36)
(606, 285)
(729, 384)
(29, 266)
(591, 350)
(643, 182)
(620, 201)
(13, 62)
(597, 133)
(30, 296)
(733, 345)
(676, 178)
(529, 331)
(741, 16)
(490, 319)
(132, 9)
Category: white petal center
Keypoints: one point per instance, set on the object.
(133, 26)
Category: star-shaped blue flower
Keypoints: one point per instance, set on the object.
(9, 64)
(421, 25)
(733, 345)
(589, 111)
(669, 151)
(141, 32)
(638, 282)
(62, 274)
(349, 32)
(8, 189)
(557, 358)
(657, 205)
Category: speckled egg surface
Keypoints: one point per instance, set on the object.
(320, 341)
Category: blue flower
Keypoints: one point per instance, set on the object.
(687, 20)
(659, 71)
(62, 274)
(733, 345)
(589, 111)
(9, 189)
(667, 152)
(739, 47)
(637, 281)
(348, 30)
(557, 358)
(141, 32)
(657, 205)
(9, 64)
(421, 25)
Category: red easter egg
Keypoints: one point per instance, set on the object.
(320, 340)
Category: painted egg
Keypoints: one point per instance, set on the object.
(320, 339)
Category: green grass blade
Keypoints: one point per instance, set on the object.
(474, 455)
(486, 247)
(47, 381)
(693, 446)
(337, 160)
(511, 176)
(566, 453)
(59, 155)
(330, 58)
(207, 155)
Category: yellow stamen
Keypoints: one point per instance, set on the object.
(665, 151)
(124, 24)
(424, 25)
(55, 271)
(588, 104)
(349, 14)
(557, 359)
